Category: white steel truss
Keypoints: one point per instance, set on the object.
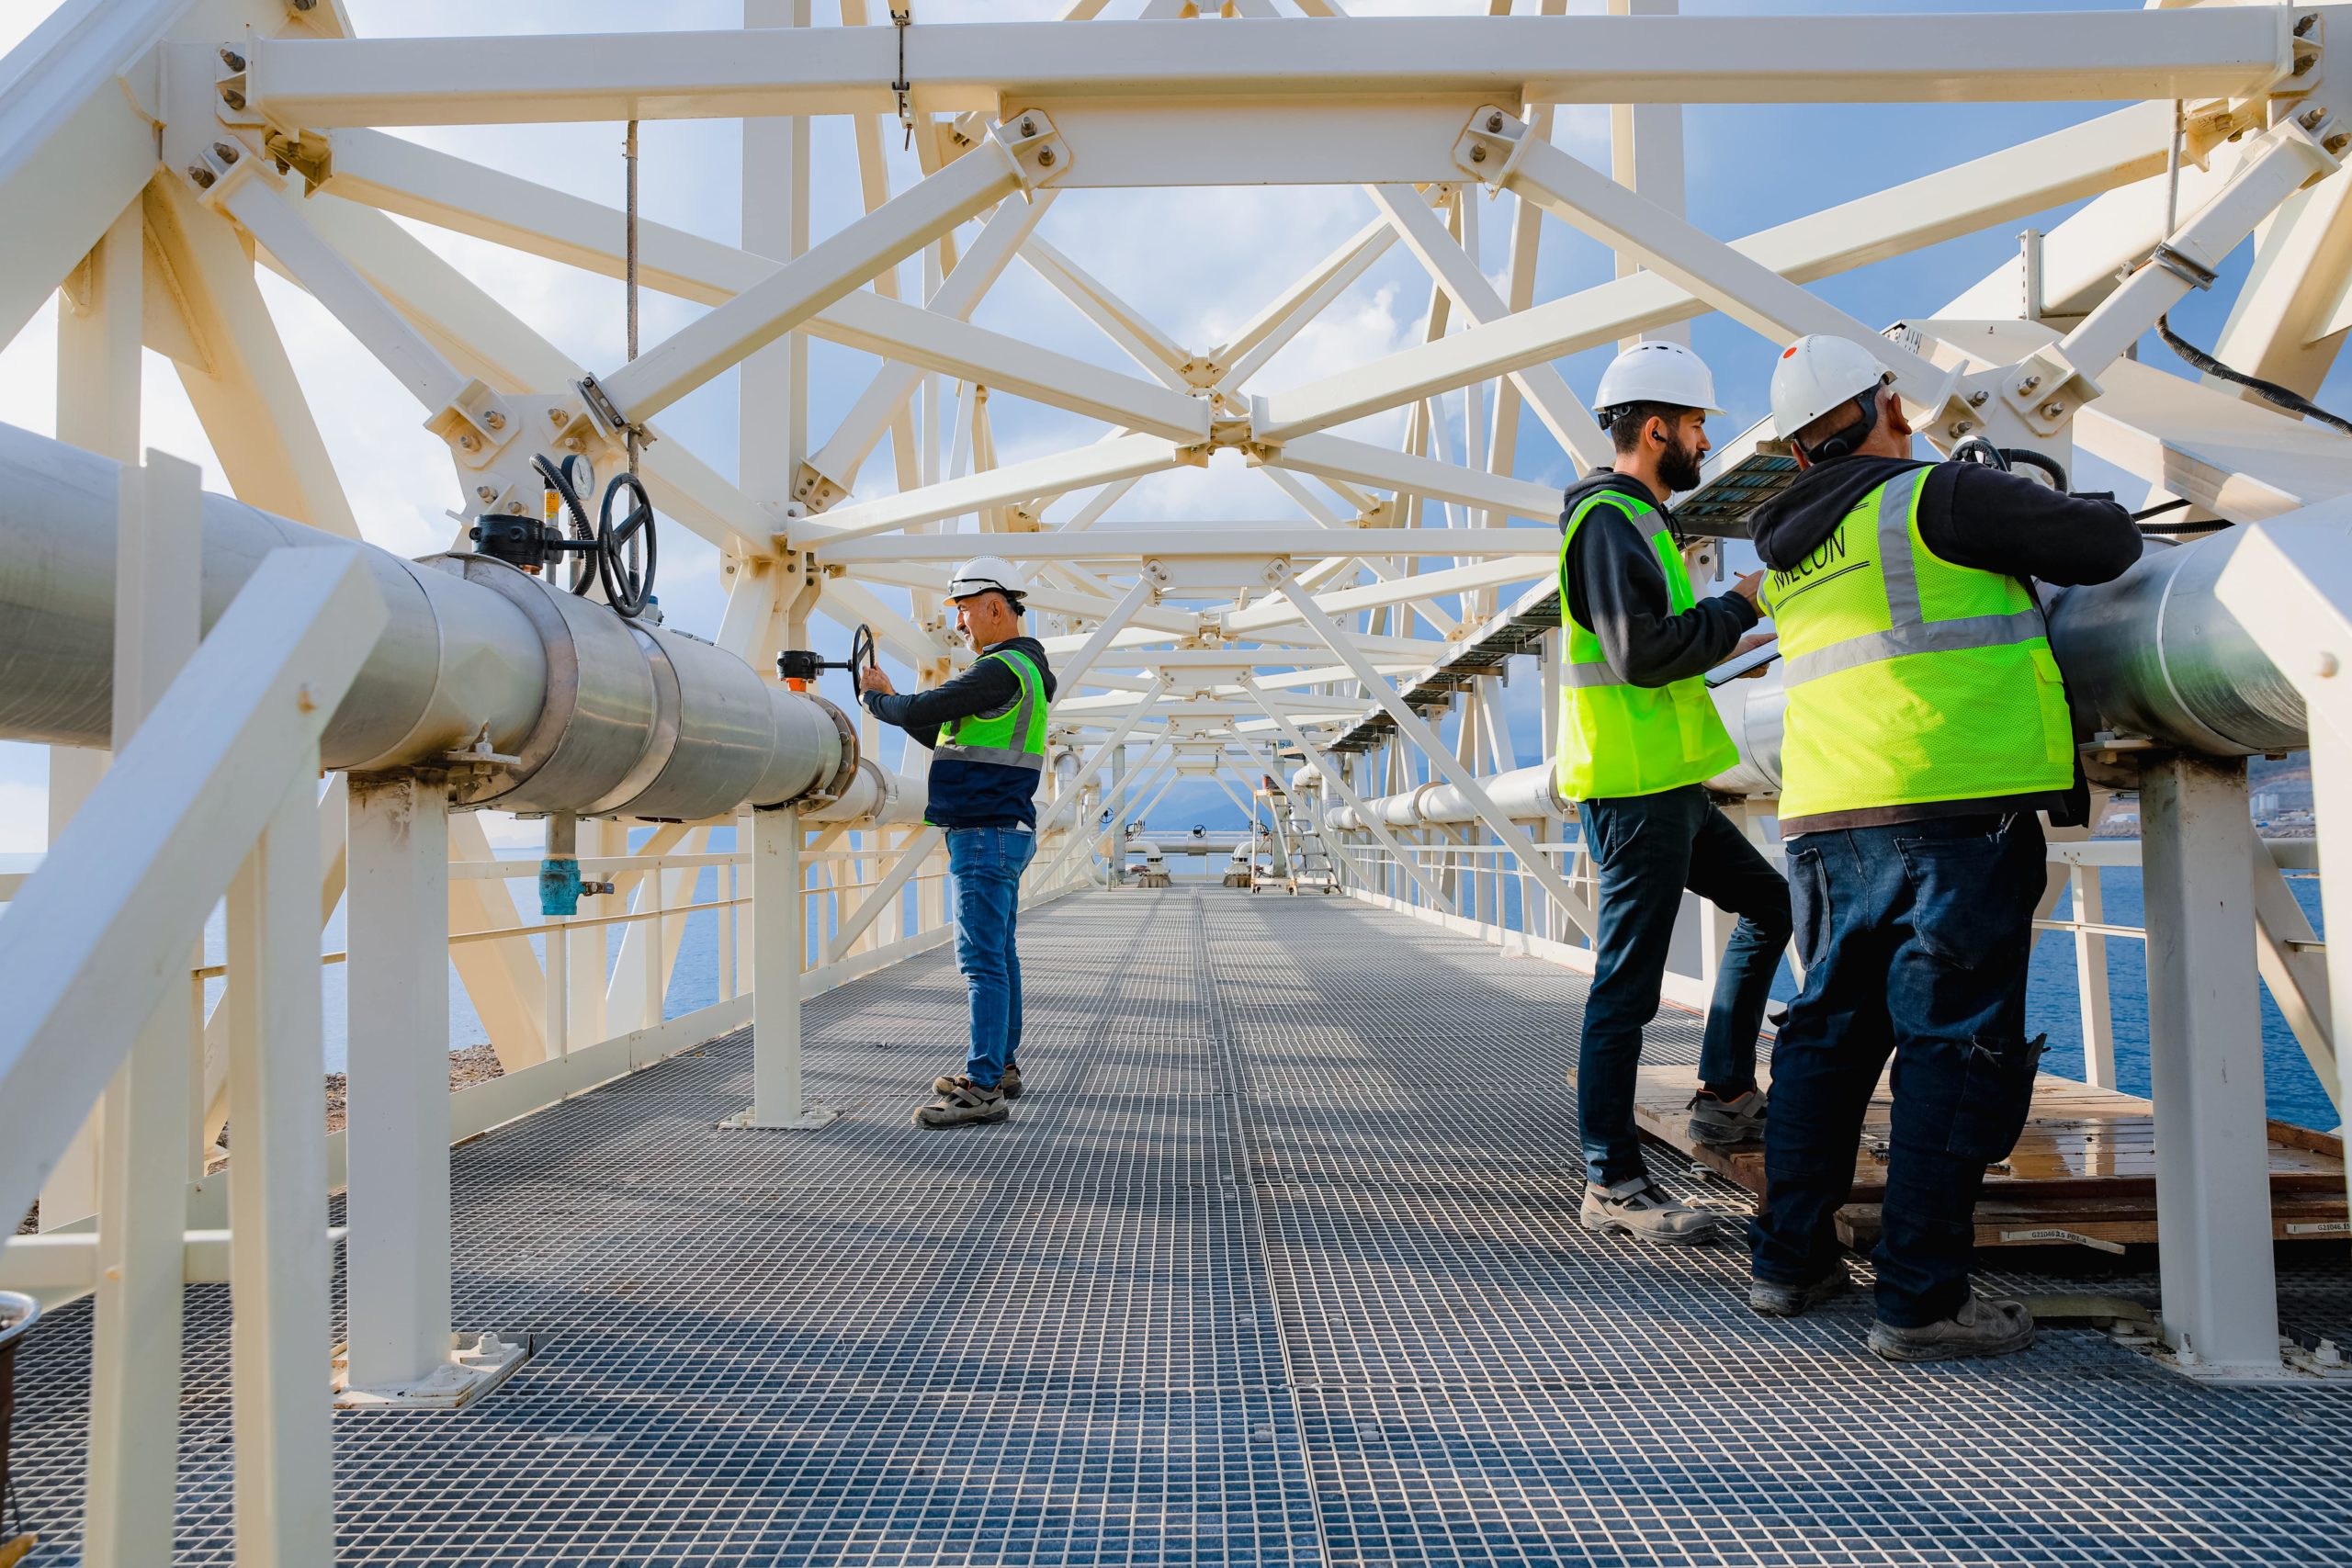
(154, 152)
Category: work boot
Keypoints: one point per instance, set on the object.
(1008, 1085)
(962, 1103)
(1638, 1209)
(1774, 1300)
(1985, 1325)
(1719, 1122)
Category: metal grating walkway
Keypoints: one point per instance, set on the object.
(1276, 1264)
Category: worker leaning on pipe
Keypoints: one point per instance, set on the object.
(1638, 735)
(1927, 725)
(986, 729)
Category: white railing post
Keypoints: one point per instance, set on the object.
(2090, 979)
(277, 1267)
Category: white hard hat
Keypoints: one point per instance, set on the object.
(1655, 373)
(1816, 374)
(983, 572)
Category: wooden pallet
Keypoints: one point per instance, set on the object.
(2083, 1172)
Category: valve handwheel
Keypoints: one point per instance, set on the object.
(861, 650)
(626, 552)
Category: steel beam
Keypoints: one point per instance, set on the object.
(2200, 53)
(2220, 1298)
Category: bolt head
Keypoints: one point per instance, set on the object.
(558, 417)
(234, 99)
(1478, 155)
(2304, 63)
(471, 441)
(495, 420)
(2028, 384)
(1962, 426)
(2338, 143)
(2052, 410)
(1044, 157)
(1494, 122)
(1977, 399)
(2311, 119)
(225, 151)
(1028, 127)
(199, 177)
(485, 492)
(514, 507)
(232, 60)
(2327, 665)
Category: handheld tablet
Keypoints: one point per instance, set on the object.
(1731, 669)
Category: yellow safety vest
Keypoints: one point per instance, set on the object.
(1911, 680)
(1011, 736)
(1617, 738)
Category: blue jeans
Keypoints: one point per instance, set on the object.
(1915, 939)
(986, 863)
(1646, 848)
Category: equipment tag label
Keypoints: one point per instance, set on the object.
(2077, 1237)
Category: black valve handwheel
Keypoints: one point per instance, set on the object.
(861, 650)
(628, 553)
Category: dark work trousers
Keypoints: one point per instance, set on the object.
(1646, 848)
(1915, 939)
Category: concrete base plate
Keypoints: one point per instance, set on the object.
(478, 1363)
(811, 1117)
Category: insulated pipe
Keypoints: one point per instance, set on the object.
(2152, 654)
(877, 797)
(588, 713)
(1523, 794)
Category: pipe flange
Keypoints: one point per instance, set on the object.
(577, 748)
(833, 789)
(669, 704)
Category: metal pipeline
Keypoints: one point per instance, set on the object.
(877, 797)
(1523, 794)
(2152, 654)
(592, 713)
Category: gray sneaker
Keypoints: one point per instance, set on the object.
(1720, 1122)
(964, 1104)
(1790, 1301)
(1638, 1209)
(1009, 1086)
(1985, 1325)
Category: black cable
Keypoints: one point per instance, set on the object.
(2293, 401)
(2160, 510)
(2033, 459)
(583, 574)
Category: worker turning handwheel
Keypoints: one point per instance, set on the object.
(986, 729)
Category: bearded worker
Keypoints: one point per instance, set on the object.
(1638, 738)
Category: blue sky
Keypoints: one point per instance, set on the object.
(1198, 262)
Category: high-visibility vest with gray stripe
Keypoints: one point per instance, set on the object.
(1617, 738)
(1910, 680)
(1011, 736)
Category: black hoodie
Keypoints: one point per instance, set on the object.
(1970, 515)
(970, 794)
(1616, 586)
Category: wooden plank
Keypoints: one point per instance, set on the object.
(2085, 1165)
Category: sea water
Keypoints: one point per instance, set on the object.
(2290, 1087)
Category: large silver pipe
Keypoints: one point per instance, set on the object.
(1523, 794)
(601, 716)
(2152, 654)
